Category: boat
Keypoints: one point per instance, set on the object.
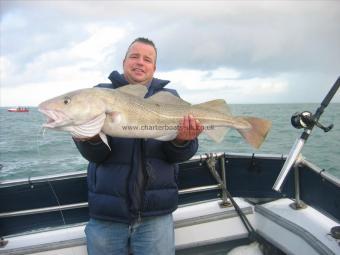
(18, 109)
(283, 203)
(47, 215)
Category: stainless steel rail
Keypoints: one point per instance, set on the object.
(85, 204)
(43, 210)
(199, 189)
(321, 172)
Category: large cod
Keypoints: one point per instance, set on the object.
(124, 112)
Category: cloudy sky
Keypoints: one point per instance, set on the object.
(242, 51)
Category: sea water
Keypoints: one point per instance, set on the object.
(26, 151)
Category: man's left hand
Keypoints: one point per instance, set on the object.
(189, 129)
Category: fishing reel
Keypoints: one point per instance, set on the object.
(307, 120)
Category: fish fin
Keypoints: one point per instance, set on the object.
(87, 129)
(166, 137)
(258, 131)
(104, 139)
(218, 105)
(114, 117)
(137, 90)
(165, 97)
(216, 133)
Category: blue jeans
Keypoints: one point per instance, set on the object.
(150, 236)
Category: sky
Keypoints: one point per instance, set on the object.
(242, 51)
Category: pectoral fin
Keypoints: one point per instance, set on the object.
(167, 137)
(87, 129)
(114, 117)
(104, 139)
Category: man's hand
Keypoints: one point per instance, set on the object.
(189, 129)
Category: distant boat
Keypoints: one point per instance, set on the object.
(18, 109)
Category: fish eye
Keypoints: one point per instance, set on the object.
(67, 100)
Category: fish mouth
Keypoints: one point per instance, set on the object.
(54, 118)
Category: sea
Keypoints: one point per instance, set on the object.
(26, 150)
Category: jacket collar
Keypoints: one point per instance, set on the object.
(118, 80)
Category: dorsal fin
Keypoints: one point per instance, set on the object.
(137, 90)
(165, 97)
(218, 105)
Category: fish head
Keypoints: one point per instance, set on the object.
(72, 109)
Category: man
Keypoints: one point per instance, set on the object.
(133, 188)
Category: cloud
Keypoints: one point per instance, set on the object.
(198, 86)
(247, 51)
(99, 44)
(82, 59)
(83, 63)
(193, 79)
(256, 36)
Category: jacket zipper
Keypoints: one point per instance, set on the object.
(145, 177)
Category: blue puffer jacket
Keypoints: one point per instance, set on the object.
(137, 178)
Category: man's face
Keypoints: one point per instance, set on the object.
(140, 63)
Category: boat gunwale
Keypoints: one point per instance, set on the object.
(85, 204)
(292, 227)
(83, 173)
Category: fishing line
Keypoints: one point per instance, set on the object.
(41, 133)
(57, 199)
(33, 134)
(39, 136)
(67, 229)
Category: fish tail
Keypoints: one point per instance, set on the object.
(258, 131)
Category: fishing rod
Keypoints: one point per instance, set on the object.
(305, 120)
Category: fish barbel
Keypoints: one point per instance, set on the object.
(124, 112)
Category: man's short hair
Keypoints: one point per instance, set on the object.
(145, 41)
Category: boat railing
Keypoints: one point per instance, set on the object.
(40, 179)
(82, 174)
(242, 175)
(32, 180)
(43, 210)
(321, 171)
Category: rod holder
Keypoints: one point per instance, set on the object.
(298, 203)
(289, 163)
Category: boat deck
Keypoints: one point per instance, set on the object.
(195, 225)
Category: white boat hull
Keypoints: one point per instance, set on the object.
(294, 232)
